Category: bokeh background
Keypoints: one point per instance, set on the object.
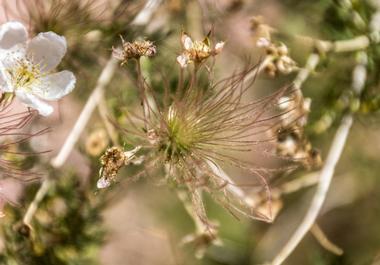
(143, 222)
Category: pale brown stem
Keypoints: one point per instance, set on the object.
(326, 175)
(324, 241)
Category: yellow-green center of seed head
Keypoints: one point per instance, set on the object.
(24, 74)
(179, 137)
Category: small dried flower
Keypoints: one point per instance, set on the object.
(134, 50)
(112, 161)
(197, 51)
(291, 139)
(26, 67)
(281, 61)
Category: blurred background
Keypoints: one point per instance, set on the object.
(143, 223)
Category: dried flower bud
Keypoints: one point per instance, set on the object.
(270, 69)
(285, 64)
(197, 51)
(134, 50)
(282, 49)
(112, 161)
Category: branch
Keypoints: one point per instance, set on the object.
(325, 177)
(92, 102)
(60, 159)
(324, 241)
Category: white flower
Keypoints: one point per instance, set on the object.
(26, 67)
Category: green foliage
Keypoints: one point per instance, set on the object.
(67, 229)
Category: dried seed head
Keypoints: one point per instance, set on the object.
(134, 50)
(291, 139)
(281, 62)
(112, 161)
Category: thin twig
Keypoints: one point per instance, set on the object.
(304, 73)
(93, 100)
(60, 159)
(320, 195)
(36, 201)
(146, 13)
(324, 241)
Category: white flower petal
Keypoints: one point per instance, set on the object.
(55, 86)
(47, 49)
(103, 183)
(4, 82)
(12, 56)
(219, 47)
(33, 102)
(186, 42)
(183, 60)
(12, 33)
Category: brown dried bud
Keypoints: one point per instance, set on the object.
(112, 160)
(134, 50)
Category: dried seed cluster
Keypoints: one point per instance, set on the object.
(134, 50)
(281, 62)
(292, 142)
(197, 51)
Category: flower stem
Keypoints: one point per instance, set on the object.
(92, 102)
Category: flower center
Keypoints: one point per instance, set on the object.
(179, 137)
(200, 50)
(24, 74)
